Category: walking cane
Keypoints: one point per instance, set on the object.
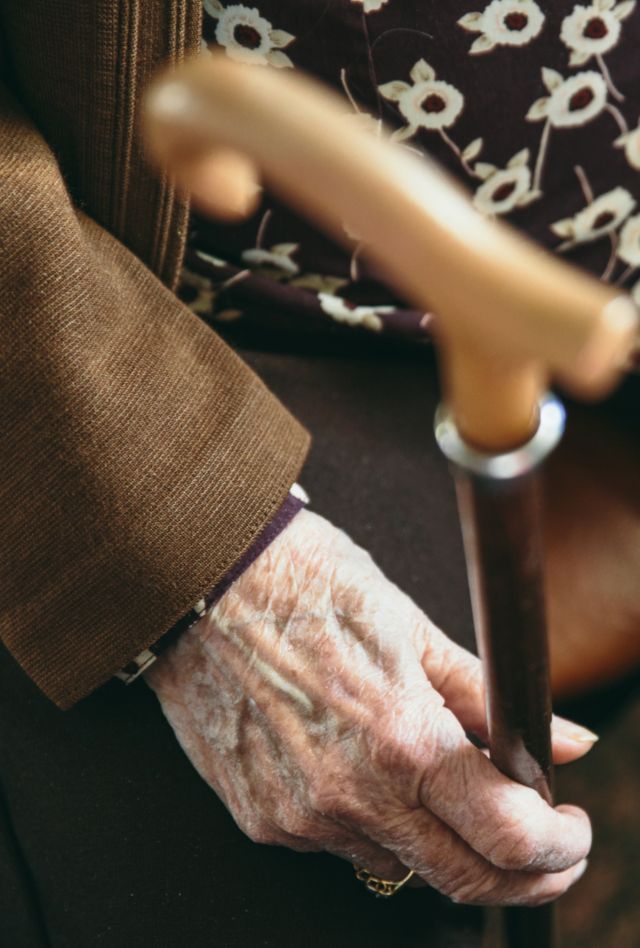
(510, 317)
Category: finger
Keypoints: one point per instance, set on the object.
(507, 823)
(351, 846)
(457, 675)
(447, 863)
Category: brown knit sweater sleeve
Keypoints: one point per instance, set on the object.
(140, 456)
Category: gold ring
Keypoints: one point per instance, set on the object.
(383, 887)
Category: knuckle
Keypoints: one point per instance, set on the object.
(393, 748)
(388, 751)
(301, 825)
(474, 886)
(334, 800)
(515, 848)
(518, 853)
(341, 807)
(318, 794)
(260, 831)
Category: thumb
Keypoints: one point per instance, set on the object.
(457, 675)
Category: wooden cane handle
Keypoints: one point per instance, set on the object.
(494, 291)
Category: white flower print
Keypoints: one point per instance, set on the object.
(504, 23)
(601, 217)
(210, 259)
(630, 141)
(319, 282)
(505, 188)
(594, 30)
(345, 312)
(247, 36)
(360, 119)
(370, 6)
(279, 256)
(428, 103)
(203, 289)
(591, 31)
(629, 246)
(571, 102)
(206, 293)
(209, 289)
(277, 261)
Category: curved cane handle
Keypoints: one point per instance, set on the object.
(499, 298)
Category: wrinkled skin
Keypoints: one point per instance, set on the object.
(328, 713)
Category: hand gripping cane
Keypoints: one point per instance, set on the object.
(510, 317)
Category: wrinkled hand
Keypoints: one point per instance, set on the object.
(328, 713)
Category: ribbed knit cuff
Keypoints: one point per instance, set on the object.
(292, 504)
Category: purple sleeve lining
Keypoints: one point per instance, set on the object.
(283, 517)
(285, 514)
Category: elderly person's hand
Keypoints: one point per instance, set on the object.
(328, 713)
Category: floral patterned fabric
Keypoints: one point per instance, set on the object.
(535, 107)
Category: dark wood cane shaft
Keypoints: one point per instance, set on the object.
(501, 525)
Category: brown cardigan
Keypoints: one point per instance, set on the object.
(140, 456)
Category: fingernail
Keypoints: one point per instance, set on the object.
(583, 735)
(581, 869)
(575, 732)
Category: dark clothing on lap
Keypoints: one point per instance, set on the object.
(120, 842)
